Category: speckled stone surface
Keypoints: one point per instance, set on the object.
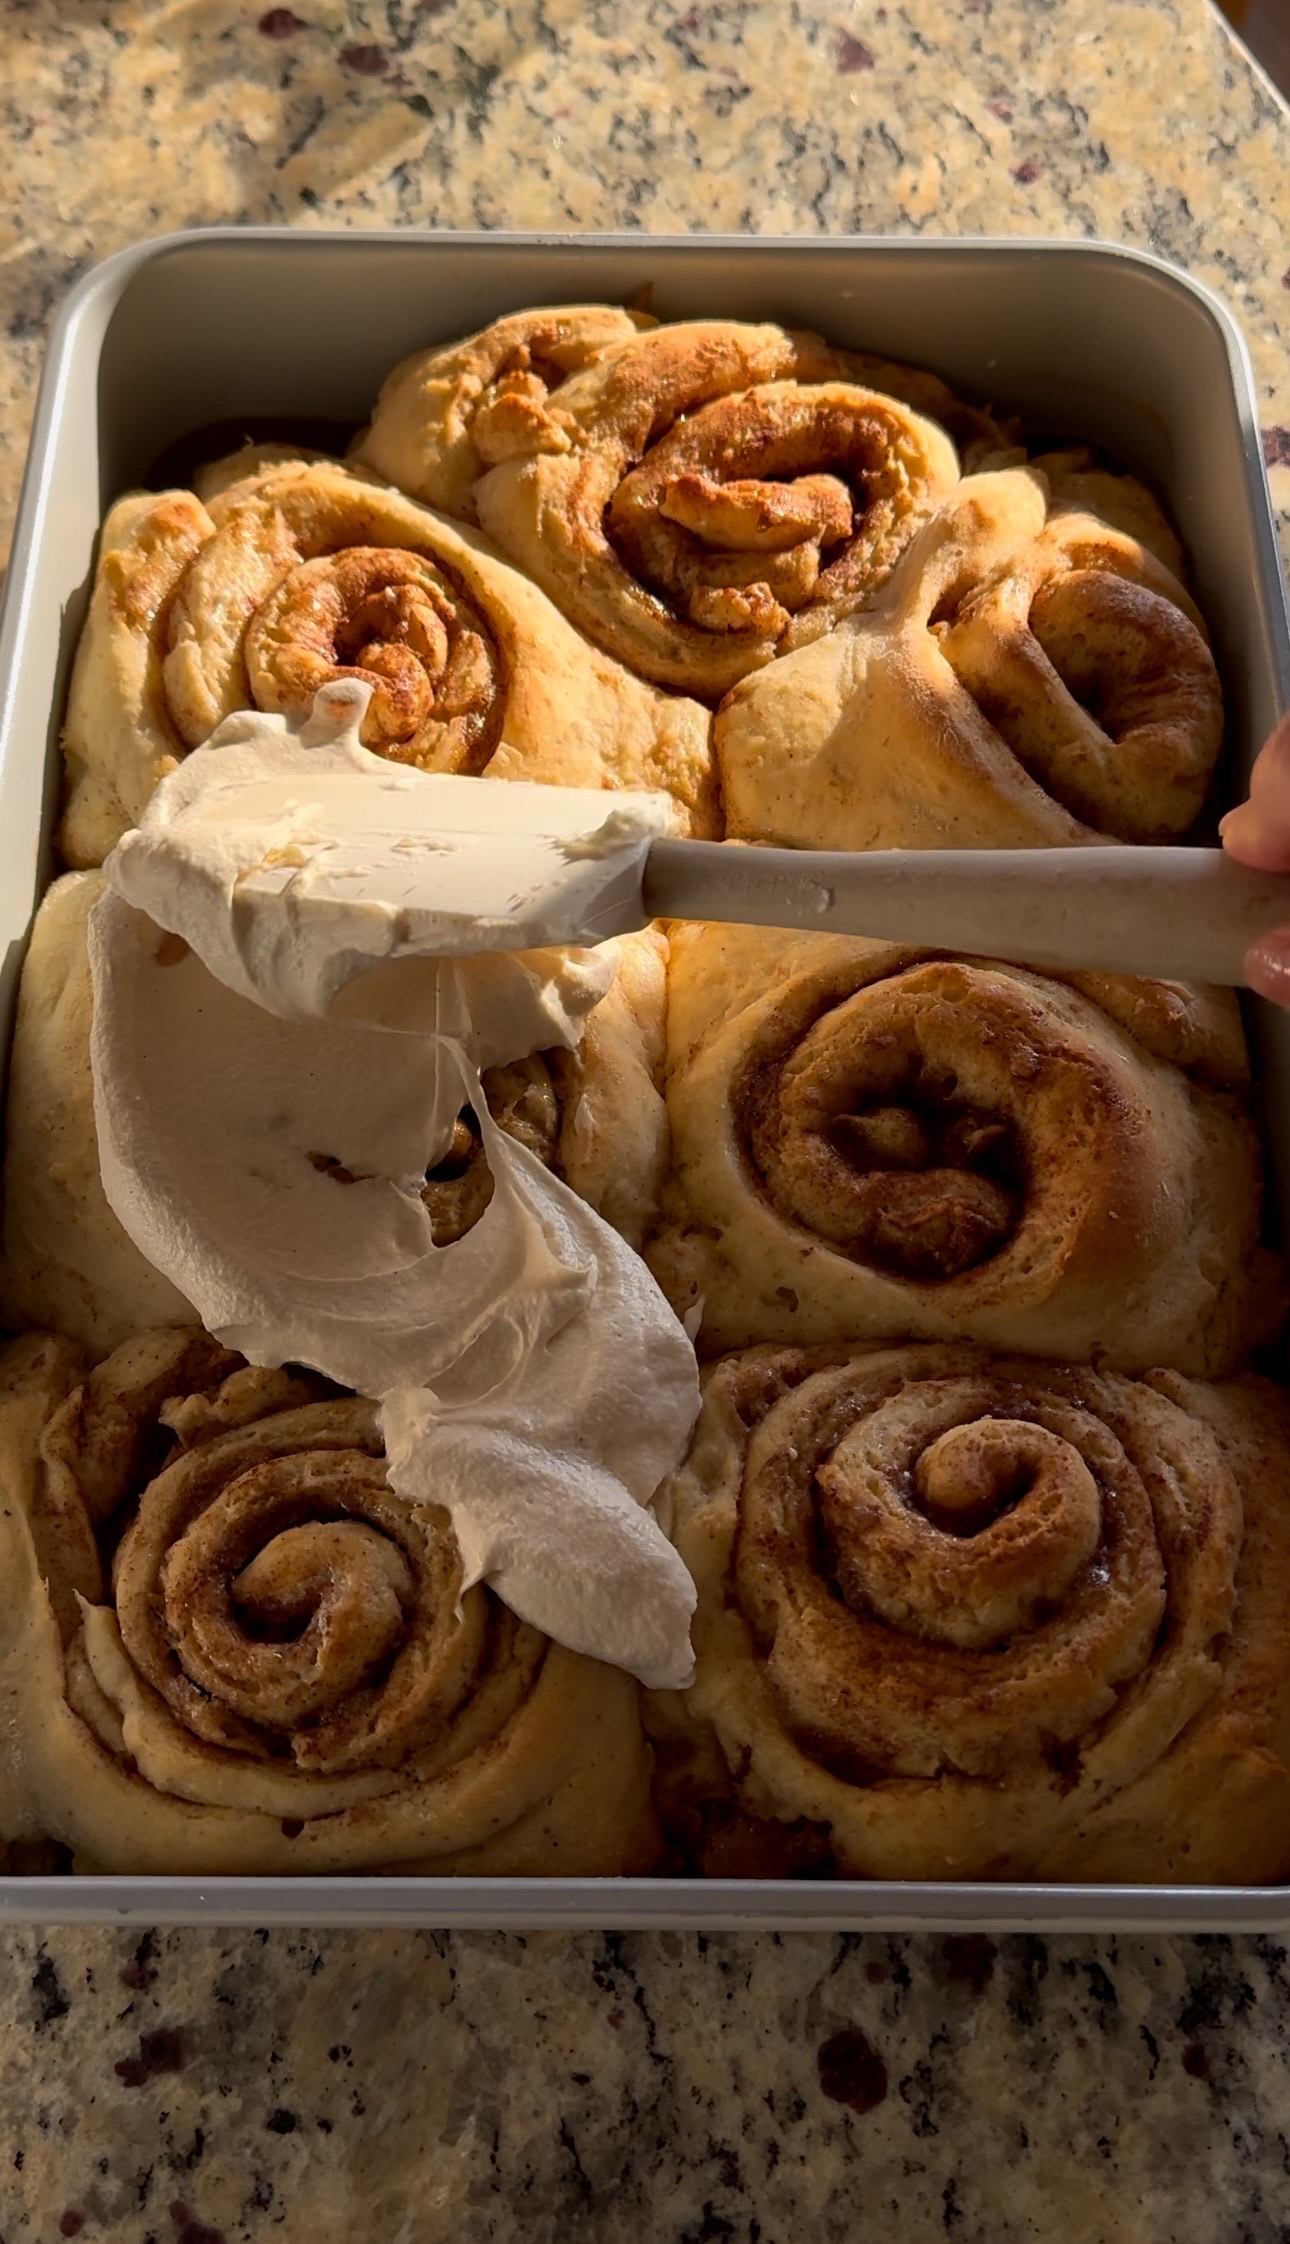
(1139, 120)
(207, 2087)
(401, 2087)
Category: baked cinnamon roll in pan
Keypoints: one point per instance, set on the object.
(987, 1514)
(595, 1116)
(972, 1616)
(1031, 674)
(301, 572)
(870, 1142)
(229, 1647)
(697, 497)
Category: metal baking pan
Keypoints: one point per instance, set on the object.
(1088, 342)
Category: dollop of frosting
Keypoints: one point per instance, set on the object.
(548, 1478)
(271, 1162)
(314, 877)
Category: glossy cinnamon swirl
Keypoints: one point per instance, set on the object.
(696, 497)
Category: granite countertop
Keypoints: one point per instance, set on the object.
(202, 2087)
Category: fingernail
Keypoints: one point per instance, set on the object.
(1267, 966)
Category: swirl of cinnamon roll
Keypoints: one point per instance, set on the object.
(243, 1651)
(698, 497)
(595, 1116)
(444, 414)
(301, 573)
(1032, 675)
(973, 1616)
(869, 1142)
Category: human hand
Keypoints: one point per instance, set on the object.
(1257, 833)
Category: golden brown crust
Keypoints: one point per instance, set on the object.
(1032, 675)
(65, 1262)
(970, 1616)
(446, 414)
(701, 495)
(868, 1142)
(1079, 483)
(232, 1648)
(118, 736)
(302, 572)
(983, 439)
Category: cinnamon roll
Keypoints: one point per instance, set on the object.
(1031, 675)
(1079, 482)
(594, 1115)
(448, 414)
(967, 1616)
(302, 572)
(697, 497)
(444, 415)
(870, 1142)
(230, 1647)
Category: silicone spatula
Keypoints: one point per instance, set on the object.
(360, 864)
(470, 867)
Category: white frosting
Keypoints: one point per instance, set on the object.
(548, 1473)
(536, 1382)
(313, 876)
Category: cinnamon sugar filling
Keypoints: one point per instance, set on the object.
(399, 624)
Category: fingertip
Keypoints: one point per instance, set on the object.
(1267, 966)
(1247, 835)
(1257, 831)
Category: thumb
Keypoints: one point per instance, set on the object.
(1258, 831)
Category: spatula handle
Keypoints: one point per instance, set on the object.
(1186, 915)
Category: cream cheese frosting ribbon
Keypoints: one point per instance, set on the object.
(533, 1379)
